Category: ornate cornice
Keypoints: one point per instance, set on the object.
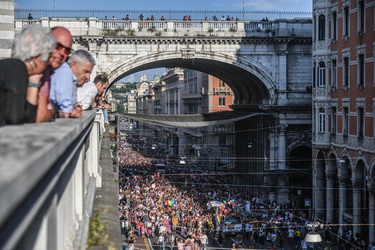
(192, 40)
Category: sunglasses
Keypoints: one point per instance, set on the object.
(59, 46)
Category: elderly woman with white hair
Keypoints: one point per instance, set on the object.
(20, 75)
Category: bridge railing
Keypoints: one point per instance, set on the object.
(94, 26)
(196, 15)
(49, 174)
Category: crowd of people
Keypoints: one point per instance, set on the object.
(45, 79)
(184, 18)
(175, 208)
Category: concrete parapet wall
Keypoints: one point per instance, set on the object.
(93, 26)
(47, 185)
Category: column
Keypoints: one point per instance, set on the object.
(282, 148)
(356, 207)
(371, 211)
(282, 65)
(329, 198)
(167, 103)
(175, 101)
(342, 202)
(179, 101)
(318, 196)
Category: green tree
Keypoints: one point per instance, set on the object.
(120, 108)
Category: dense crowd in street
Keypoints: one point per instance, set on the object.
(174, 207)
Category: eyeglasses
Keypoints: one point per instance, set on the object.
(59, 46)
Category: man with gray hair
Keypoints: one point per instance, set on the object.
(75, 72)
(81, 62)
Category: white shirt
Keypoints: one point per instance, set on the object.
(85, 94)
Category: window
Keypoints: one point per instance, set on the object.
(361, 70)
(322, 120)
(334, 73)
(361, 121)
(345, 120)
(221, 83)
(321, 74)
(322, 28)
(361, 17)
(346, 21)
(333, 120)
(334, 25)
(346, 72)
(221, 101)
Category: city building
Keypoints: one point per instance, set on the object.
(145, 95)
(119, 85)
(174, 90)
(343, 115)
(130, 105)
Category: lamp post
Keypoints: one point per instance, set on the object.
(243, 10)
(313, 236)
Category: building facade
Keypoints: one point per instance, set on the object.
(6, 27)
(343, 115)
(131, 103)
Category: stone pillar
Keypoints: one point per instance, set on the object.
(179, 101)
(170, 25)
(329, 198)
(318, 195)
(175, 101)
(45, 22)
(93, 24)
(282, 74)
(181, 146)
(134, 25)
(282, 148)
(167, 103)
(342, 202)
(371, 211)
(356, 207)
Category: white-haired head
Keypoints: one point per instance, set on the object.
(34, 40)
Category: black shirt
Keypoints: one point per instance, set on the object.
(14, 108)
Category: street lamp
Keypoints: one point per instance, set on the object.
(313, 236)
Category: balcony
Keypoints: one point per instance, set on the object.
(222, 91)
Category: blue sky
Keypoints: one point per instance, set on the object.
(283, 5)
(142, 5)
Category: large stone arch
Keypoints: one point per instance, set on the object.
(360, 160)
(250, 81)
(371, 172)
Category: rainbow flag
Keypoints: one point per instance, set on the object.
(191, 206)
(170, 203)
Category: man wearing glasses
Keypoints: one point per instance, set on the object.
(57, 82)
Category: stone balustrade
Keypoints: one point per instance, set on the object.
(49, 174)
(96, 27)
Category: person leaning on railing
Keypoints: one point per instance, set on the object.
(20, 76)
